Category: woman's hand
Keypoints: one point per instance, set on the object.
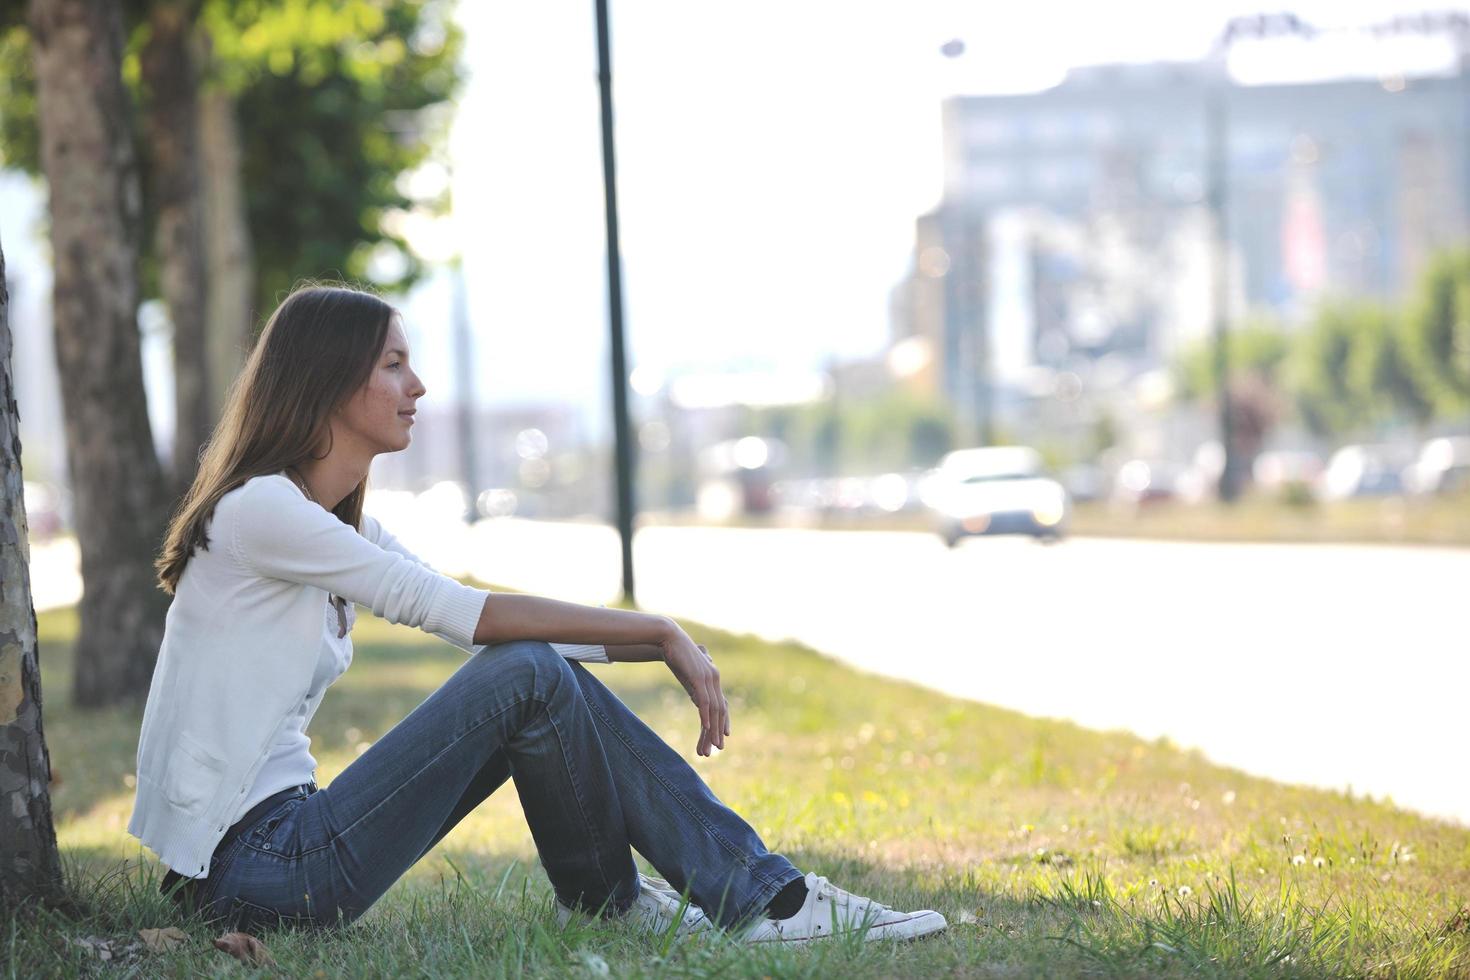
(690, 662)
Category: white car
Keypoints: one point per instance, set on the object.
(995, 490)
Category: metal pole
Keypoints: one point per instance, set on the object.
(1216, 124)
(621, 429)
(464, 375)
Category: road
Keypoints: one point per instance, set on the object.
(1330, 665)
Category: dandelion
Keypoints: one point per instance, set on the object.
(1153, 882)
(1185, 891)
(1299, 859)
(1228, 798)
(1318, 862)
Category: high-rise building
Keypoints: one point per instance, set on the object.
(1341, 187)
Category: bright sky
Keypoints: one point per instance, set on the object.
(772, 159)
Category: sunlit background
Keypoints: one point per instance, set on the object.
(861, 241)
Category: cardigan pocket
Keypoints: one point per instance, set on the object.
(193, 776)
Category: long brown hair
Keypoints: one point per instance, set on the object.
(315, 352)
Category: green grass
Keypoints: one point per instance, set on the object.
(1053, 850)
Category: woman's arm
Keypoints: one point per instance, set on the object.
(512, 616)
(633, 653)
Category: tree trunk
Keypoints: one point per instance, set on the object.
(172, 120)
(30, 866)
(227, 249)
(117, 484)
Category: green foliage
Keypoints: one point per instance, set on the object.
(1437, 335)
(1348, 371)
(334, 103)
(20, 141)
(1258, 348)
(895, 431)
(331, 101)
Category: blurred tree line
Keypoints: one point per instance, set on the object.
(209, 154)
(1355, 367)
(897, 430)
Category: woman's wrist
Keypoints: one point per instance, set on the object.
(669, 631)
(633, 653)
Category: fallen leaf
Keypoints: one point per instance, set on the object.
(163, 940)
(246, 948)
(967, 917)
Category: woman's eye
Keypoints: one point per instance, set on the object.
(394, 364)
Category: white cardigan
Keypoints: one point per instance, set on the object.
(241, 643)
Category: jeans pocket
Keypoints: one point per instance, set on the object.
(273, 831)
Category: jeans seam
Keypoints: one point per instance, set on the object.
(209, 891)
(674, 791)
(415, 774)
(594, 838)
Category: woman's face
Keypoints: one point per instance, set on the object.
(377, 416)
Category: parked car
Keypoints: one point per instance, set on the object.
(1143, 483)
(1365, 471)
(995, 490)
(1443, 466)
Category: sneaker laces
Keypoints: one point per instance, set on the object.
(824, 888)
(668, 902)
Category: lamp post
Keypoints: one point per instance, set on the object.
(622, 431)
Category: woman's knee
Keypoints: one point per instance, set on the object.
(532, 666)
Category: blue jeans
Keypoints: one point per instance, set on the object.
(592, 779)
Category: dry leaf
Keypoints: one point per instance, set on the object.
(967, 917)
(163, 940)
(246, 948)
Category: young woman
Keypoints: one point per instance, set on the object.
(266, 558)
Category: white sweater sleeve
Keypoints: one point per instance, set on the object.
(278, 533)
(374, 531)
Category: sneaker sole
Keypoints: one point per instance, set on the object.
(916, 926)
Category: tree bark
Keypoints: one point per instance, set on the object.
(172, 124)
(117, 483)
(227, 247)
(30, 866)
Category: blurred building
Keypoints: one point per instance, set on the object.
(1074, 226)
(539, 452)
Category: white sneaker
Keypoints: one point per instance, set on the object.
(656, 907)
(830, 911)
